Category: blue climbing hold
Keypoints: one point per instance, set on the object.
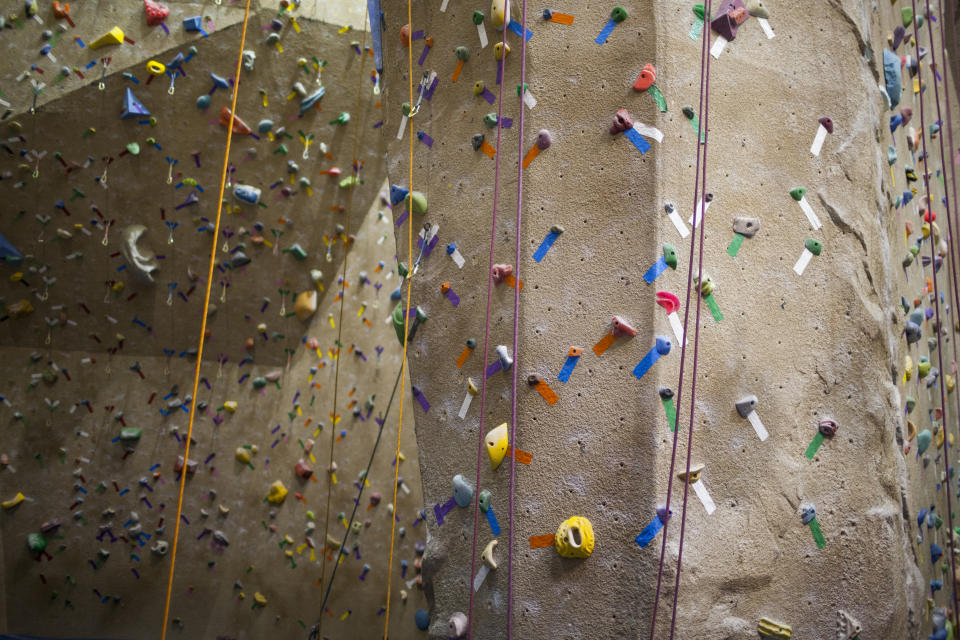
(9, 253)
(422, 618)
(891, 73)
(935, 552)
(133, 108)
(397, 194)
(218, 82)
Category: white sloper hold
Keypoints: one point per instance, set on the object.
(141, 260)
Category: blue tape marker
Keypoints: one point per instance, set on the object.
(494, 525)
(607, 30)
(638, 140)
(649, 532)
(662, 348)
(653, 272)
(517, 28)
(545, 246)
(568, 367)
(493, 367)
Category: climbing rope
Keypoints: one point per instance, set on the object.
(406, 334)
(486, 327)
(516, 316)
(203, 322)
(936, 292)
(343, 297)
(699, 191)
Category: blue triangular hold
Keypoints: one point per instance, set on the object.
(132, 108)
(9, 253)
(397, 194)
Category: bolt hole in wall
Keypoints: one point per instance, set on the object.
(115, 120)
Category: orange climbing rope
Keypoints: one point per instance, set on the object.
(203, 323)
(406, 334)
(343, 290)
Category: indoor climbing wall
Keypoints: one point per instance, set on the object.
(805, 481)
(111, 192)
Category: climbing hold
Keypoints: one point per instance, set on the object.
(457, 625)
(114, 36)
(924, 438)
(670, 256)
(246, 193)
(155, 11)
(648, 75)
(462, 491)
(142, 262)
(574, 538)
(747, 227)
(305, 305)
(36, 542)
(278, 493)
(757, 9)
(132, 108)
(497, 441)
(828, 427)
(422, 619)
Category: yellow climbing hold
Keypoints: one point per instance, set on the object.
(114, 36)
(278, 493)
(14, 501)
(260, 599)
(230, 405)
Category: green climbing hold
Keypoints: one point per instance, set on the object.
(36, 542)
(798, 193)
(906, 15)
(891, 155)
(419, 202)
(813, 246)
(402, 270)
(699, 10)
(670, 255)
(924, 438)
(130, 433)
(490, 120)
(477, 17)
(134, 148)
(619, 14)
(259, 382)
(398, 324)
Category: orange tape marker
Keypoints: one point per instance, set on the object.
(539, 542)
(604, 344)
(512, 281)
(548, 394)
(487, 149)
(463, 356)
(561, 18)
(519, 455)
(457, 70)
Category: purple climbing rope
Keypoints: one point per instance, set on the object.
(698, 199)
(516, 311)
(696, 353)
(486, 330)
(936, 293)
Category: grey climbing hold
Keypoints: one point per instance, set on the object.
(746, 405)
(462, 491)
(746, 226)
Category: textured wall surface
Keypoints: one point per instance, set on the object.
(825, 344)
(60, 433)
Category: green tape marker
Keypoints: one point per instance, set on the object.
(696, 29)
(814, 446)
(666, 395)
(817, 534)
(735, 245)
(714, 309)
(658, 96)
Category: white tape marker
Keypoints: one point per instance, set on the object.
(811, 216)
(694, 220)
(818, 140)
(718, 46)
(480, 577)
(802, 263)
(403, 127)
(465, 406)
(678, 223)
(528, 99)
(482, 32)
(705, 498)
(676, 325)
(757, 425)
(458, 258)
(767, 29)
